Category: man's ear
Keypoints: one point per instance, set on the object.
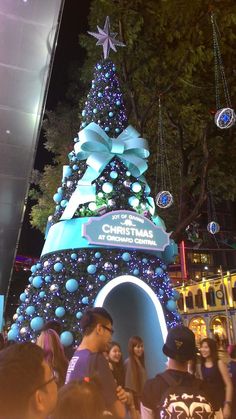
(37, 402)
(98, 328)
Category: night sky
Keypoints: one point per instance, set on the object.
(74, 22)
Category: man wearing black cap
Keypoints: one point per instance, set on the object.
(180, 349)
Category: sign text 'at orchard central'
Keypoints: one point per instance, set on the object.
(125, 228)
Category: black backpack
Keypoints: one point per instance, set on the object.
(184, 402)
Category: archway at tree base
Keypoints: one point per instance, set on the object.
(136, 310)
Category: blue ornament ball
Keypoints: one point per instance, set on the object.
(66, 338)
(58, 267)
(60, 190)
(225, 118)
(118, 103)
(23, 297)
(111, 114)
(91, 269)
(30, 310)
(42, 294)
(144, 260)
(133, 201)
(37, 323)
(39, 265)
(73, 256)
(64, 203)
(33, 269)
(97, 255)
(176, 295)
(161, 292)
(14, 326)
(85, 300)
(136, 271)
(13, 334)
(57, 197)
(102, 278)
(107, 187)
(136, 187)
(159, 271)
(72, 285)
(31, 279)
(171, 305)
(48, 278)
(164, 199)
(60, 311)
(67, 172)
(126, 256)
(37, 281)
(113, 174)
(213, 227)
(79, 314)
(20, 318)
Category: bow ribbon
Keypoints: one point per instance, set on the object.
(98, 150)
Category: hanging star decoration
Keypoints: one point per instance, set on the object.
(107, 38)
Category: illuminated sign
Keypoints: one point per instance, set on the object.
(125, 229)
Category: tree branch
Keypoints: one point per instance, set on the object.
(177, 234)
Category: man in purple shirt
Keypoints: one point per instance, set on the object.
(89, 361)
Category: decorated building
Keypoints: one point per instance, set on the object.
(105, 243)
(208, 308)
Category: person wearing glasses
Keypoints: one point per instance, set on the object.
(88, 360)
(27, 384)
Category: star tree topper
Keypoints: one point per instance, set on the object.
(106, 38)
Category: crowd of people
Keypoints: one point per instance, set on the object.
(41, 381)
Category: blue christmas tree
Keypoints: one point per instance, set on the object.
(104, 191)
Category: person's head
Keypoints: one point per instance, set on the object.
(232, 351)
(97, 324)
(180, 346)
(79, 400)
(114, 352)
(27, 385)
(54, 325)
(208, 350)
(49, 341)
(136, 348)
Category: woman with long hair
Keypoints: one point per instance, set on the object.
(135, 372)
(215, 373)
(49, 341)
(116, 363)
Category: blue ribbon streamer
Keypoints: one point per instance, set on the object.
(98, 150)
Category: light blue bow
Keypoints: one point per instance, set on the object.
(98, 150)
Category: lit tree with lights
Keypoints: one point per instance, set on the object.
(104, 174)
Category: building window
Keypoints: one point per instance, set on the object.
(211, 297)
(224, 294)
(198, 327)
(189, 300)
(200, 258)
(199, 299)
(181, 302)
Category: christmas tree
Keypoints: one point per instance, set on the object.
(104, 225)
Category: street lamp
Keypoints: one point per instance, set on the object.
(225, 304)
